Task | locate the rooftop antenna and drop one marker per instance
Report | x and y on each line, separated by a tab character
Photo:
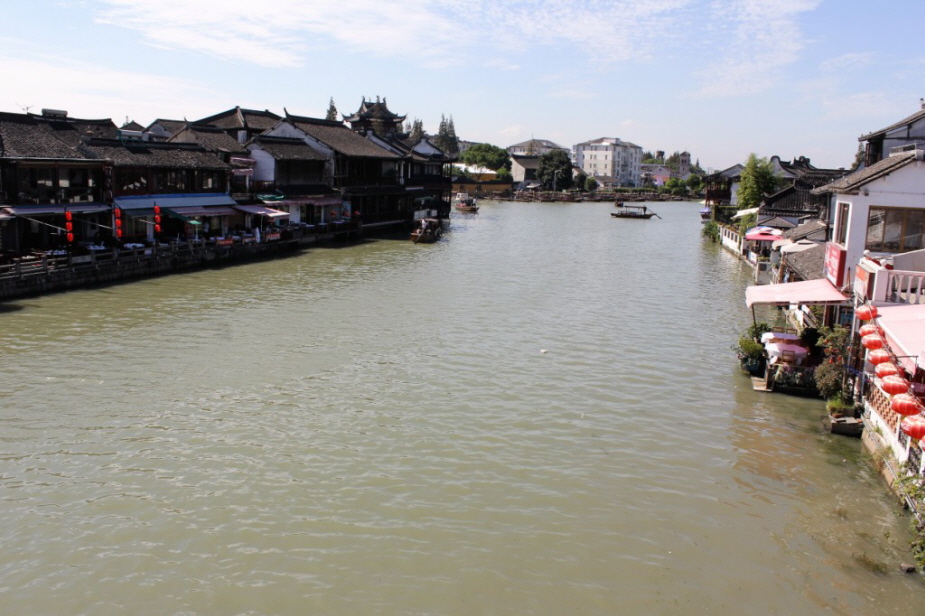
25	108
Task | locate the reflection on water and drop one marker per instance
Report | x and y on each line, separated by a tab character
377	429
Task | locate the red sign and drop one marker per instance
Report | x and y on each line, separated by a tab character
272	236
835	264
226	242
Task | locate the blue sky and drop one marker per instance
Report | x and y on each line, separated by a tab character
718	78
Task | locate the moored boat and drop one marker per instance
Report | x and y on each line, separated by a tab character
632	211
706	214
464	203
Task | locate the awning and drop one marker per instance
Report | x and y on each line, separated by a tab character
326	201
261	210
819	291
174	200
798	247
904	327
53	210
204	211
741	213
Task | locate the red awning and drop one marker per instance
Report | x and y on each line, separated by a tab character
819	291
761	237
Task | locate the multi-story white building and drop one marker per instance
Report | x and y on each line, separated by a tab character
611	157
535	147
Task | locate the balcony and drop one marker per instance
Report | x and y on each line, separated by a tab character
877	281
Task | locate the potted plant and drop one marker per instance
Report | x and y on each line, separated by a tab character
751	355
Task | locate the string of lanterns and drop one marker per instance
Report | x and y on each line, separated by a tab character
902	401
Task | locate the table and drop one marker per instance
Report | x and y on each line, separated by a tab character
768	336
776	349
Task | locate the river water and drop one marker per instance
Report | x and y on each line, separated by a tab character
539	414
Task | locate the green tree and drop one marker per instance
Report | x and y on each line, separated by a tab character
590	184
580	179
695	183
555	170
416	131
446	136
756	180
504	174
332	111
487	155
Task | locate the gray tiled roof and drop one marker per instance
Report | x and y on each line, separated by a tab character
284	148
851	184
216	140
809	264
33	136
154	155
340	138
918	115
22	137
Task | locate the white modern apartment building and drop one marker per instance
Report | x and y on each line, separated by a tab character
609	156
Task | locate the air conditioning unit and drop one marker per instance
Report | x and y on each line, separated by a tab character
54	113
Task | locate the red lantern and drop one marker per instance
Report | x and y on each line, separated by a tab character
157	228
68	226
887	368
157	219
878	356
894	385
872	341
868	329
867	312
119	233
68	216
905	404
116	212
70	237
157	209
118	223
914	426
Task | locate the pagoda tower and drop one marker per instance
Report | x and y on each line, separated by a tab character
377	118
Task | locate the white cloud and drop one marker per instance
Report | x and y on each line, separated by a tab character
756	39
43	82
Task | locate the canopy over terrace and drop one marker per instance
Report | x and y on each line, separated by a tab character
804	292
904	327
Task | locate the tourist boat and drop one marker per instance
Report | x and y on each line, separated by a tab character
464	203
706	214
426	231
632	211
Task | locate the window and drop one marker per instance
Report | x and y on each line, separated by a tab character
841	231
895	229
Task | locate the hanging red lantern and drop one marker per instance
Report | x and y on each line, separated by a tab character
70	238
68	216
872	341
887	368
867	312
868	329
157	209
894	384
119	233
878	356
68	226
157	228
157	219
905	404
914	426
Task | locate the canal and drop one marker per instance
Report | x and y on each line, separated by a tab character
539	414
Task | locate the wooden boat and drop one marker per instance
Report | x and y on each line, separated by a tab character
706	214
426	231
464	203
632	211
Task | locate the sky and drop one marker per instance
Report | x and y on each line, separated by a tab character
721	79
